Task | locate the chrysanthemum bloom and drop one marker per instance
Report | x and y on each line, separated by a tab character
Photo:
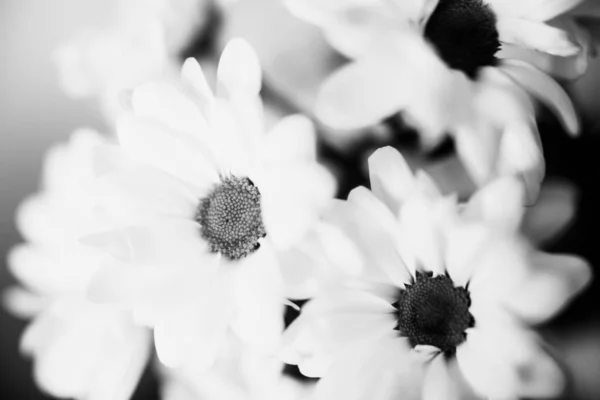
142	42
239	373
439	64
445	296
80	349
211	199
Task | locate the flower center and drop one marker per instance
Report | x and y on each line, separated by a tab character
464	34
433	312
230	218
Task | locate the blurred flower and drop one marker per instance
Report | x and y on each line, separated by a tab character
444	293
438	63
238	374
582	23
80	350
543	223
210	200
142	43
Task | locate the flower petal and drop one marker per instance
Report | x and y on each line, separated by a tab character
166	104
148	191
545	89
537	36
292	139
173	151
383	369
503	361
391	178
555	280
499	203
239	70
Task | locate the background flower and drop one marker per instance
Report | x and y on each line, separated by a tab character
80	350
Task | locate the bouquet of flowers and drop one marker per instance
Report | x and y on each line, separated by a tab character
369	213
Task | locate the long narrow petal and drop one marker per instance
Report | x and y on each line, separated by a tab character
545	89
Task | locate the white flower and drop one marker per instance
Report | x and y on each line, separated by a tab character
438	63
143	42
238	374
80	350
444	296
211	200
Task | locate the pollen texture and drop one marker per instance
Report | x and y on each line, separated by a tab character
230	218
464	34
432	311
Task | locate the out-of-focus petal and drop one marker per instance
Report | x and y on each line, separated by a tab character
545	89
537	36
555	280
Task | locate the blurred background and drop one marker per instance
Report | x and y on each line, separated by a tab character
35	113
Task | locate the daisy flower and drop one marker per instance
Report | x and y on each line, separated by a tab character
444	299
142	42
439	63
239	373
80	350
210	199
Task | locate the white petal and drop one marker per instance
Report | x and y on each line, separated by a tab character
554	281
477	145
546	90
314	340
438	384
349	34
391	178
342	300
377	85
537	36
159	242
292	139
374	228
421	237
292	199
465	243
553	213
148	191
50	272
500	266
173	151
239	70
499	203
121	374
339	250
164	103
192	73
258	293
501	361
383	369
22	303
194	332
359	95
521	154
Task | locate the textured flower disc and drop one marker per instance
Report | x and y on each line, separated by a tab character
464	34
231	219
432	311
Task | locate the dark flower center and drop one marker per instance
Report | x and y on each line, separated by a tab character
432	311
464	34
230	218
